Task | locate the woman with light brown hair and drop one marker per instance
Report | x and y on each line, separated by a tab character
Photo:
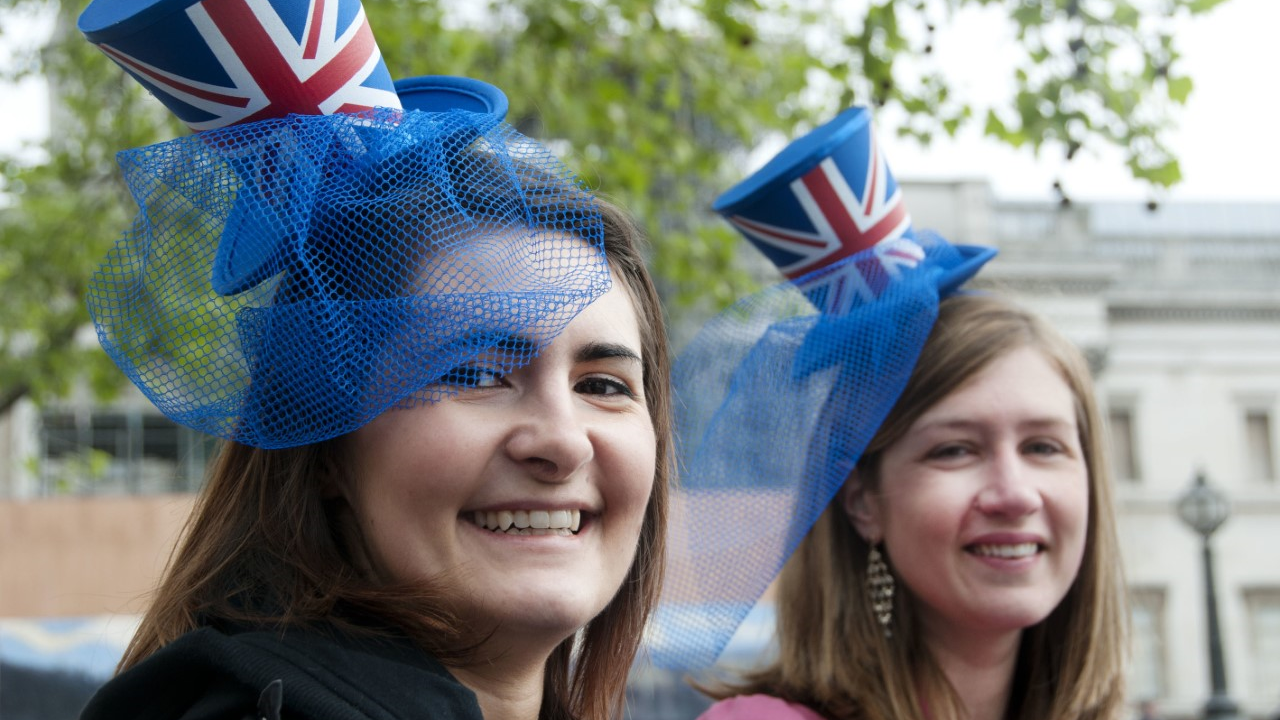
923	468
984	501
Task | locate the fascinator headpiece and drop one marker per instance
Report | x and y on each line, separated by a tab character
779	395
328	244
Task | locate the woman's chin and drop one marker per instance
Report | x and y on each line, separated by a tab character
541	618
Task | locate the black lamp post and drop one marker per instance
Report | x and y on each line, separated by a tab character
1204	509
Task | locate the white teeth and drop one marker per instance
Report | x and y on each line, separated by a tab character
1007	551
564	532
530	522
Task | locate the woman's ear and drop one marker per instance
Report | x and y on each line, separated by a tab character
861	508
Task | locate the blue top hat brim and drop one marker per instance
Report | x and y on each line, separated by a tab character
973	257
794	160
442	93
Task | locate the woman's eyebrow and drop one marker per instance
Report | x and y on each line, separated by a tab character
605	351
971	423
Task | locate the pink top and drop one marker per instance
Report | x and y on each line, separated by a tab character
758	707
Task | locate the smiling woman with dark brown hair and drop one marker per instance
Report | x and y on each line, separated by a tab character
440	370
445	530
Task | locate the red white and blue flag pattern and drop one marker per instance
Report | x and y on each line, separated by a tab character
223	62
862	279
844	205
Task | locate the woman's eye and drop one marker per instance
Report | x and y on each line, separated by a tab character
471	376
1043	447
948	452
596	385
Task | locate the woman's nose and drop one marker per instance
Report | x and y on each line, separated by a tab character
549	439
1008	486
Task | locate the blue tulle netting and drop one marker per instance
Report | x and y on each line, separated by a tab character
776	402
287	280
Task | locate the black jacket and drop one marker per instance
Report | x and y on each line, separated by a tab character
295	675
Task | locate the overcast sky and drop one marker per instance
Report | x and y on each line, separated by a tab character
1226	140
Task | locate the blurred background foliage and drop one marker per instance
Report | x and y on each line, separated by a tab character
657	105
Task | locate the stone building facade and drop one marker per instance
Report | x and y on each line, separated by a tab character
1178	310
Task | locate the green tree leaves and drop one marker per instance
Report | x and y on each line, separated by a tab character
655	104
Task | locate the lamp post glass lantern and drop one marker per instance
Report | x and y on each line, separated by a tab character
1204	509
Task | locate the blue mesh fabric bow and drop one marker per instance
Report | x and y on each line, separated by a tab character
288	280
776	402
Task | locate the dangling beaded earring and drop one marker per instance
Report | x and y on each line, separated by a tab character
880	590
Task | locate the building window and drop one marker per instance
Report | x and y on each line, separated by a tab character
1261	456
1264	635
1147	674
1124	451
128	451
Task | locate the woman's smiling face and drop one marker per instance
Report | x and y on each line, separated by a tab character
983	504
525	492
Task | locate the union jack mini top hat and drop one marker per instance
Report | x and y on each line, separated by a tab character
329	244
780	394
